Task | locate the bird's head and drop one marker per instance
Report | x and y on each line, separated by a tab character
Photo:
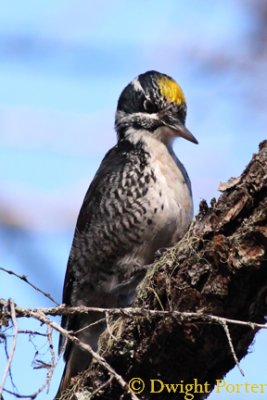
152	102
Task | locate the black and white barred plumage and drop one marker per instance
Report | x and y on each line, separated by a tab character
139	201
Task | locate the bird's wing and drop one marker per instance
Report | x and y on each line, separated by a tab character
103	233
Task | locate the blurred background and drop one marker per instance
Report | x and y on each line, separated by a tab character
63	65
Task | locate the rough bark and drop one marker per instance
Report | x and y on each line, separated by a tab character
219	268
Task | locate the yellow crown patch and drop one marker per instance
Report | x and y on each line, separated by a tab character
171	90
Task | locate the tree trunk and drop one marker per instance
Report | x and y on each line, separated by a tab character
219	268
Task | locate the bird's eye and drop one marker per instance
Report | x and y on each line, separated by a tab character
149	107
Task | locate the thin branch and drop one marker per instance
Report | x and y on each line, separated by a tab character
13	346
4	337
31	333
25	279
40	316
99	321
131	312
51	366
52	352
227	332
25	332
19	396
108	326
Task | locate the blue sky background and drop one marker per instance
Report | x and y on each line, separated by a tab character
63	65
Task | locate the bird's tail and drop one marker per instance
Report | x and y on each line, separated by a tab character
78	360
89	327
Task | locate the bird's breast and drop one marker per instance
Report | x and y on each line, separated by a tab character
171	194
167	202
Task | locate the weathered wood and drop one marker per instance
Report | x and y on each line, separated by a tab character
219	268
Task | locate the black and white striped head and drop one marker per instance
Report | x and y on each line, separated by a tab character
152	102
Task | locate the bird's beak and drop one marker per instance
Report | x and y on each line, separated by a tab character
183	132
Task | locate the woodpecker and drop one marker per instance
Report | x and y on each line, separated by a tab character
139	201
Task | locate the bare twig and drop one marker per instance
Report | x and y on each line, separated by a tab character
226	330
25	332
25	279
99	321
31	333
108	325
20	396
42	317
51	365
13	346
4	337
52	352
131	312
